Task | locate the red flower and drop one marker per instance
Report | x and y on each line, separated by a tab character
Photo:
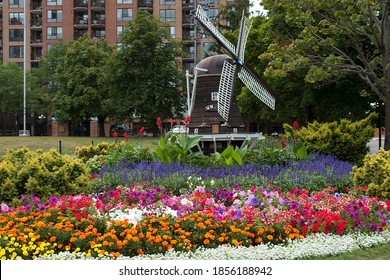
115	134
283	142
141	131
158	122
126	135
295	125
187	119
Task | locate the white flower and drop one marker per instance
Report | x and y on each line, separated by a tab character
186	202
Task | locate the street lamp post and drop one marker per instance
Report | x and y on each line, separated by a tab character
24	70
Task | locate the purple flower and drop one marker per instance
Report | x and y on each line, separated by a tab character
294	205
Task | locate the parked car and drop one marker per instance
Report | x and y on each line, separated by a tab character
7	133
120	129
180	129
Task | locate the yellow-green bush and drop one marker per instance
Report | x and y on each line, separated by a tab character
375	174
344	139
87	152
40	173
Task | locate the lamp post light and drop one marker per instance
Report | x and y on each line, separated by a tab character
24	70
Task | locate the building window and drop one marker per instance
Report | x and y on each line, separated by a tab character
168	15
172	31
213	1
124	14
214	96
212	13
54	16
54	2
16	35
124	1
54	32
16	51
167	2
16	18
119	30
13	4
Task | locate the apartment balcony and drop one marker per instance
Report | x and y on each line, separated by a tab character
81	5
81	24
36	24
99	23
36	8
188	4
36	43
98	5
145	5
188	20
98	34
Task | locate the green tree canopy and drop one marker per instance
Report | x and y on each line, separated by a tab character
80	90
146	80
11	89
332	40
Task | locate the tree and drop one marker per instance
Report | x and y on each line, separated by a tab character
11	90
80	92
43	80
335	39
146	77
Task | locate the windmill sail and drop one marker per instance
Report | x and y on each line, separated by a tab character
226	87
210	27
256	87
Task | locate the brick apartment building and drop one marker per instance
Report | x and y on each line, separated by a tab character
46	22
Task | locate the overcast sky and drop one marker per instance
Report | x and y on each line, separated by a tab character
256	6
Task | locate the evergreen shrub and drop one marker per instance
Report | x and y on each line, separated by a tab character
374	174
43	174
344	139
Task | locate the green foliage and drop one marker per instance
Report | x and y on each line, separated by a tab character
174	147
375	174
41	173
11	88
146	77
231	156
344	139
87	152
271	152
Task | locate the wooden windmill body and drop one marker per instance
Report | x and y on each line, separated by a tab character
212	104
205	118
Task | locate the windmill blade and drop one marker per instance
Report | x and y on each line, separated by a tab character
257	86
213	31
245	27
226	87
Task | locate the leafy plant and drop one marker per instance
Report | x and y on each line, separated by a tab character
375	174
173	148
231	156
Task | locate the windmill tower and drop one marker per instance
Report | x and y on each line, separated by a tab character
212	104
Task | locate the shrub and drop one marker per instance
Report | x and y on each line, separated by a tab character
344	139
41	173
87	152
375	174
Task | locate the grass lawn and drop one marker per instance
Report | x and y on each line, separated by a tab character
68	144
380	252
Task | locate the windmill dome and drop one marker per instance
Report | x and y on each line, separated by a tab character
213	64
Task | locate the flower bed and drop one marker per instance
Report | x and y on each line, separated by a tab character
142	220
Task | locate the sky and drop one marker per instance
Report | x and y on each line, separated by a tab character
256	7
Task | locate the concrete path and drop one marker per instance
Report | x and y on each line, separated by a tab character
374	144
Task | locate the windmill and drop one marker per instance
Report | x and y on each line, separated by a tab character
233	67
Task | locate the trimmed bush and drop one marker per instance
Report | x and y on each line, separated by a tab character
40	173
374	174
345	140
87	152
